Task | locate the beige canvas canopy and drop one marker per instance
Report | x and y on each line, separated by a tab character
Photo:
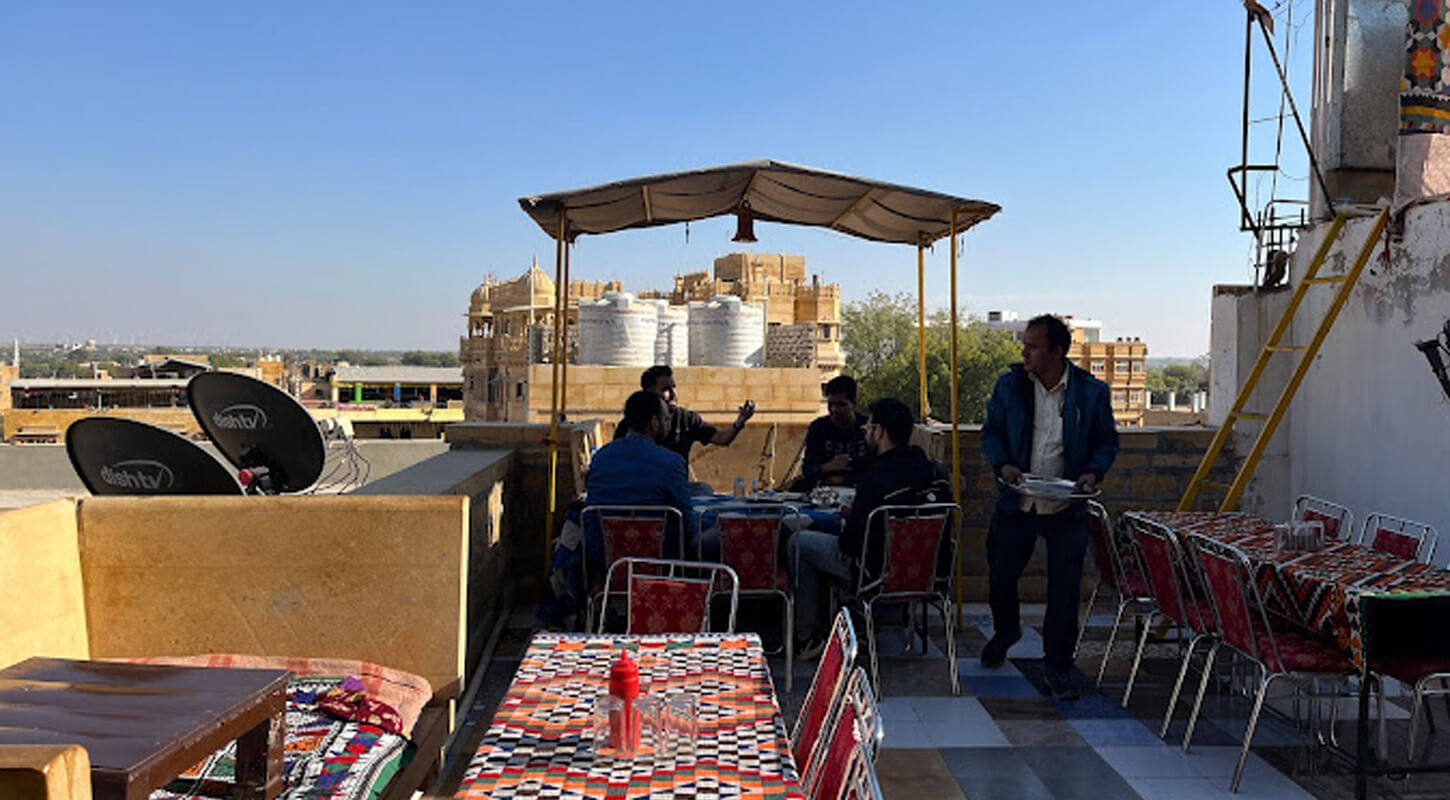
775	192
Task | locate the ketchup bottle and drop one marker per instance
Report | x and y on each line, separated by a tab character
624	723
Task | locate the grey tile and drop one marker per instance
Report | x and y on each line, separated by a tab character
965	710
994	774
1148	762
1020	709
1178	789
956	734
905	735
1003	686
897	709
1123	732
1070	772
1041	734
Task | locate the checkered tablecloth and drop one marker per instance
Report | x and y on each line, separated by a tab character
539	744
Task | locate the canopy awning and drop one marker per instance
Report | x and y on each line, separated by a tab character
776	192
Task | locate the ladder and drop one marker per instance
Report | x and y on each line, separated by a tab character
1272	347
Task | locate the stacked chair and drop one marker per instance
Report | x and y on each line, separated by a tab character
839	732
1114	576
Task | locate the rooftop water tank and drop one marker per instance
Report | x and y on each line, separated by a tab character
618	330
726	332
672	343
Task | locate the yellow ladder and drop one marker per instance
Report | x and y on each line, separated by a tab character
1273	347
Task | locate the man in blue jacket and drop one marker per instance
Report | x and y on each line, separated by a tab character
1051	418
636	470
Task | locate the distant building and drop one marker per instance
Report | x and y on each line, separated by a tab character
398	386
1121	364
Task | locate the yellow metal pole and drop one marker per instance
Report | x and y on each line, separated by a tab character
956	432
921	325
564	359
554	397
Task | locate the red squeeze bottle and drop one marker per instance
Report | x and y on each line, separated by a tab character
624	684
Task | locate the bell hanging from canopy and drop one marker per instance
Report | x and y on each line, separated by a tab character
744	223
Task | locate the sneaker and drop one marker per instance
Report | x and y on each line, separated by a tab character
1059	681
810	648
996	650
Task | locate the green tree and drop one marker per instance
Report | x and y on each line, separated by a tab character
1180	379
227	361
879	335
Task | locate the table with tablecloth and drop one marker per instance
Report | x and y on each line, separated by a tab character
539	743
801	514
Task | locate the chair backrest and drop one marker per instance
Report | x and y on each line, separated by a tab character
857	727
920	548
826	688
1106	555
1162	560
750	543
862	783
1239	612
1336	519
1399	536
669	596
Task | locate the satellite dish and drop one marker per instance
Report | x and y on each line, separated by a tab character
271	439
113	455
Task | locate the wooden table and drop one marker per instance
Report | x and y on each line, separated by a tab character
145	724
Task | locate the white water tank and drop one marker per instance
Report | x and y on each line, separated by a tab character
726	332
618	330
672	343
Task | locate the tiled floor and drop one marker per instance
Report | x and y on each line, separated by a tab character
1003	737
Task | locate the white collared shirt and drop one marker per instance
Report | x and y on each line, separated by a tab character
1046	439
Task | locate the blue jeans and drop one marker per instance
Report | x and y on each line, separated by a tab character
809	553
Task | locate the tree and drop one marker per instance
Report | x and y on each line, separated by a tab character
1180	379
879	336
227	361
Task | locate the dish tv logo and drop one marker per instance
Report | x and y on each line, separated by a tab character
150	476
241	417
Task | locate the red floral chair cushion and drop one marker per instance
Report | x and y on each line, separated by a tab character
631	537
1300	653
1331	524
911	563
836	767
667	605
824	688
1395	543
1227	589
748	545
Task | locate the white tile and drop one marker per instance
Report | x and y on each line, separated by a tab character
897	709
904	736
1148	762
961	710
1179	789
1218	762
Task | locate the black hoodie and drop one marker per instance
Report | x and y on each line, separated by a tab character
895	477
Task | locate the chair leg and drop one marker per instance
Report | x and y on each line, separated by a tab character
1112	637
1233	785
871	646
1198	700
1138	657
1086	615
789	642
1178	686
946	615
1414	717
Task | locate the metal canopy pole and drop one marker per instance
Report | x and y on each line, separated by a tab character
921	325
554	398
956	432
563	413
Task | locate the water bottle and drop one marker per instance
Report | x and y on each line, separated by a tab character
740	488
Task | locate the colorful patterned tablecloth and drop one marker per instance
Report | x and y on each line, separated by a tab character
540	745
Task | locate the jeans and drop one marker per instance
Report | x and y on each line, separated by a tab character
1010	542
808	554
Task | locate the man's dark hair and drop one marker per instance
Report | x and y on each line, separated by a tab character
640	408
648	377
895	418
1057	334
841	384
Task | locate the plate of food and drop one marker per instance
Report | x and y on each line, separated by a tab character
1043	487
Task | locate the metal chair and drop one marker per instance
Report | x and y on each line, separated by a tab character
919	552
750	545
856	729
627	531
1398	536
862	783
663	596
1113	574
1337	520
827	686
1243	625
1170	578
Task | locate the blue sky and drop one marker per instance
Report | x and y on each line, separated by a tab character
341	174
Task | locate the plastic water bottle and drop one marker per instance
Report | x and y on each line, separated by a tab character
740	488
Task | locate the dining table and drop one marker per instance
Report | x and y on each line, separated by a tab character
540	741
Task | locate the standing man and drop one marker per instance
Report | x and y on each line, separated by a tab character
1050	418
683	427
836	452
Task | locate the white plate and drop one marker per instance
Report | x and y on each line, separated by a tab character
1044	488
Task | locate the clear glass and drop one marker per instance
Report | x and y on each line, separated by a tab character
682	726
616	737
739	487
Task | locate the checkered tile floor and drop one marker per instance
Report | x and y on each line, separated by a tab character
1004	737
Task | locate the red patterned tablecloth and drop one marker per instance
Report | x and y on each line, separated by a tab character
539	744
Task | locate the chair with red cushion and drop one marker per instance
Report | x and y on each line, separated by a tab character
1170	579
1243	625
1337	520
861	783
1400	537
750	544
920	550
827	687
669	596
1114	575
856	729
628	531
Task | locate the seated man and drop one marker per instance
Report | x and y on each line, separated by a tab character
682	427
836	453
899	472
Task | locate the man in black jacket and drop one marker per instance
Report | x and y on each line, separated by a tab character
897	473
835	452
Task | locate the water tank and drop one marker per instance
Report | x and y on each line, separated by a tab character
672	343
618	330
727	333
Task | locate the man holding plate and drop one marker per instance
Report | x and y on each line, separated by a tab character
1047	419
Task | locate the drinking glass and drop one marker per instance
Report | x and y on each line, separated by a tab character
612	739
682	726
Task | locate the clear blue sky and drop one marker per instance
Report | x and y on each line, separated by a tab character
342	174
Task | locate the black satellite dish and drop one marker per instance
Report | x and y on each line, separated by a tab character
273	441
113	455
